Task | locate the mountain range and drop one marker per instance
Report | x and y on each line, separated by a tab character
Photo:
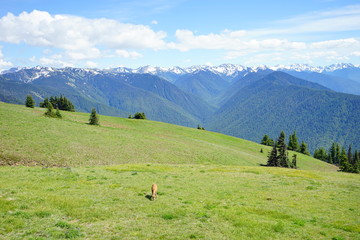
322	104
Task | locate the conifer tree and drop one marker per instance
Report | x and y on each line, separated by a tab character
29	102
282	151
337	154
94	119
273	158
278	156
356	161
321	154
349	155
293	142
45	103
50	110
140	115
304	148
266	140
345	166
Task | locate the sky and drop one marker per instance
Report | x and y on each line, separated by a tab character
166	33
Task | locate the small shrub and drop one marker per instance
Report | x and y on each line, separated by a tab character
139	115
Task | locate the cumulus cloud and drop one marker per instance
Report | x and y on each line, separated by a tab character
230	40
339	43
56	61
77	39
127	54
80	38
4	64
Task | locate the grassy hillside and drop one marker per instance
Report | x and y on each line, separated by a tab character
210	185
30	138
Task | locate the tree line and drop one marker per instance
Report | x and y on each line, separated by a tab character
61	103
348	161
278	157
293	144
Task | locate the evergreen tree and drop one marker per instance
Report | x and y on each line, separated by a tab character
331	155
282	151
337	154
266	140
293	142
356	161
349	155
29	102
273	158
321	154
45	103
50	111
139	115
94	119
62	103
345	166
304	148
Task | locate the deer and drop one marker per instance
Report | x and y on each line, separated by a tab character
154	189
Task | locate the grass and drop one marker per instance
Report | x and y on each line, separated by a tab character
195	201
64	179
29	138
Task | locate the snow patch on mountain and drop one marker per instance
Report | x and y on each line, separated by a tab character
29	74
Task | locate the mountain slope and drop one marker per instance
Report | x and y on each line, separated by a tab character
339	84
204	84
190	103
282	102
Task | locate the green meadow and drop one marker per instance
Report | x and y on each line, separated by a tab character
65	179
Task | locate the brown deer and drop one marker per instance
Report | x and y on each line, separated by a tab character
154	189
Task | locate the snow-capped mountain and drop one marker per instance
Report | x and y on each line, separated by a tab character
228	71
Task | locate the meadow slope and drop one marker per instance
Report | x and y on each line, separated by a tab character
29	138
64	179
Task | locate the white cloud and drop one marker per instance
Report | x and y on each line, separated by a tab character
127	54
154	22
339	43
91	64
336	20
56	61
4	64
80	38
230	40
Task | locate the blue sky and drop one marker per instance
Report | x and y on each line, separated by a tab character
167	33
